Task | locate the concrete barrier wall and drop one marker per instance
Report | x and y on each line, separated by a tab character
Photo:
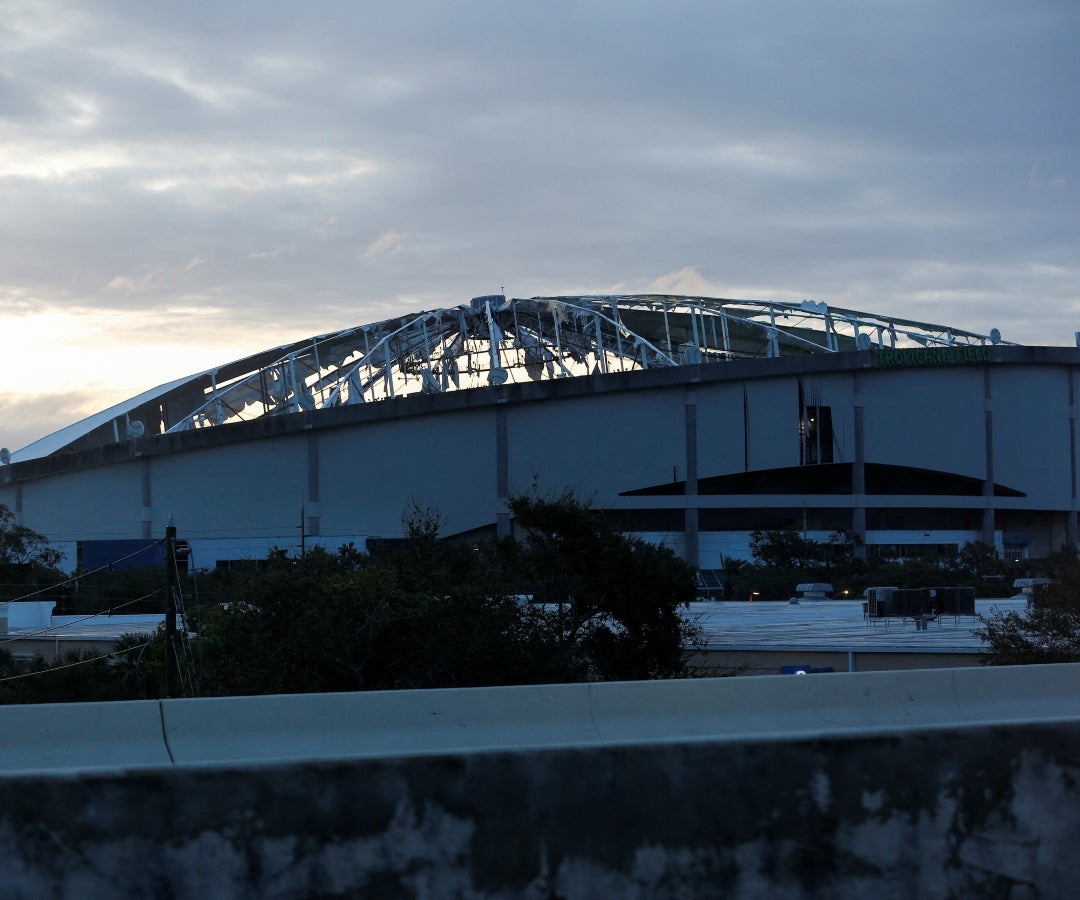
230	730
81	737
930	784
384	723
772	707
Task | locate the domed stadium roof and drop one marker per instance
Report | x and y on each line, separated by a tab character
493	340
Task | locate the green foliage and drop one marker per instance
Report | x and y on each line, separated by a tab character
1059	562
617	597
788	549
782	548
571	599
1047	632
127	591
326	624
27	562
20	545
978	558
784	558
140	664
76	676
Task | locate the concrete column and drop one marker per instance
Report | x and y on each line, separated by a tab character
691	544
988	519
502	471
312	509
988	523
745	430
858	475
1071	536
147	499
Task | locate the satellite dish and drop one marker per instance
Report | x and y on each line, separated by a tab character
692	355
498	376
136	429
5	456
863	342
995	336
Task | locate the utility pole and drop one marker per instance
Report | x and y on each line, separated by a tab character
170	600
303	533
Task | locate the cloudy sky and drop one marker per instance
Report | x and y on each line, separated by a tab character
185	183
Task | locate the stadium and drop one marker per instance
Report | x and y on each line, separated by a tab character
693	420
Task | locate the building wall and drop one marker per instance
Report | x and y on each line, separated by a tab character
350	472
252	489
599	445
931	418
105	502
772	423
370	473
1031	426
722	429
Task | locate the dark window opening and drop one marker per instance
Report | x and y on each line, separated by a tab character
932	553
816	436
883	518
662	520
237	565
775	519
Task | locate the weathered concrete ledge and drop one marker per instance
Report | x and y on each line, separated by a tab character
940	784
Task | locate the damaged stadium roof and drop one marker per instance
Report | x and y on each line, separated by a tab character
493	340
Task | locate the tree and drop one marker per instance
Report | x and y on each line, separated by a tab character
978	558
1047	632
570	599
782	548
22	548
617	597
417	614
308	628
733	568
787	548
76	676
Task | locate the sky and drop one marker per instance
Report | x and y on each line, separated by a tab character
182	184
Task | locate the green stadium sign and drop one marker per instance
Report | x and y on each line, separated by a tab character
933	356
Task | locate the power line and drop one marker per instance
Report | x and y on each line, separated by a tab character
185	636
104	612
74	578
80	662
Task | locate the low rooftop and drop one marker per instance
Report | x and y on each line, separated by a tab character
837	625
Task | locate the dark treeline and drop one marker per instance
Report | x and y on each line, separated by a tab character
568	599
784	558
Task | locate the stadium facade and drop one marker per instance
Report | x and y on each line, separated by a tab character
693	420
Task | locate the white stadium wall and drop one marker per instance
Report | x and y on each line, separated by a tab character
721	427
369	474
1031	434
253	489
772	413
919	413
599	445
698	455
